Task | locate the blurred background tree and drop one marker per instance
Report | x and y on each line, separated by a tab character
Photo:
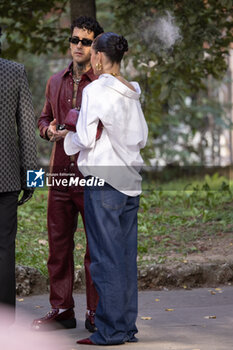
180	83
179	101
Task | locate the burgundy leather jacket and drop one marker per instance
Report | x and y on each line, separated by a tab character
59	92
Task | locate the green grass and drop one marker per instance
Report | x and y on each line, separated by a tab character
174	222
32	238
170	222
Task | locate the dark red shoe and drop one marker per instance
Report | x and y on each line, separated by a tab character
90	321
53	319
85	341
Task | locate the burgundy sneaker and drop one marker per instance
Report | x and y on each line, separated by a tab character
53	319
90	321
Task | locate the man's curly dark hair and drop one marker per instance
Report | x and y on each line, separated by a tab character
89	23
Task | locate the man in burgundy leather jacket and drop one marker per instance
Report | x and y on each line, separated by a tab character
64	92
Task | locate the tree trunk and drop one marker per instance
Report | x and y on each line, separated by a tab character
82	8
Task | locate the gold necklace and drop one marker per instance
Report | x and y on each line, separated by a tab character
115	74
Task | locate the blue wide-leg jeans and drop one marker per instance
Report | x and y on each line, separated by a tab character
111	225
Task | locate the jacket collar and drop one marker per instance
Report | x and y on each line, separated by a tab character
87	75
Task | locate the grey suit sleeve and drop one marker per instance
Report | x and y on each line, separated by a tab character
26	130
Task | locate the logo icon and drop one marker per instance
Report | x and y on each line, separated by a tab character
35	178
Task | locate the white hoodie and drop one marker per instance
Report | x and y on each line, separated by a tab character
115	157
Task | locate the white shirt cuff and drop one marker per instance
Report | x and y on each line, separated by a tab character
69	146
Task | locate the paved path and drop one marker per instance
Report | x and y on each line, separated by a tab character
185	326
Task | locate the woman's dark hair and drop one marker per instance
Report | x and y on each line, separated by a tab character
112	44
89	23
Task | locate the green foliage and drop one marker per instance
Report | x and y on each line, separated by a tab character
169	222
183	122
174	222
32	26
105	14
31	239
38	72
38	68
167	77
32	247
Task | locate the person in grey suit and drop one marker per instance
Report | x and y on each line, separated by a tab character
17	155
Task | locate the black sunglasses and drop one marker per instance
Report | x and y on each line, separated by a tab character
75	40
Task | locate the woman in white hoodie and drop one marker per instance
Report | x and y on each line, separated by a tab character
111	208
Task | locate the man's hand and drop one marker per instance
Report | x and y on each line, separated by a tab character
63	133
27	194
53	134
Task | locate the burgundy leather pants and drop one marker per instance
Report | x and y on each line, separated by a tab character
63	209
